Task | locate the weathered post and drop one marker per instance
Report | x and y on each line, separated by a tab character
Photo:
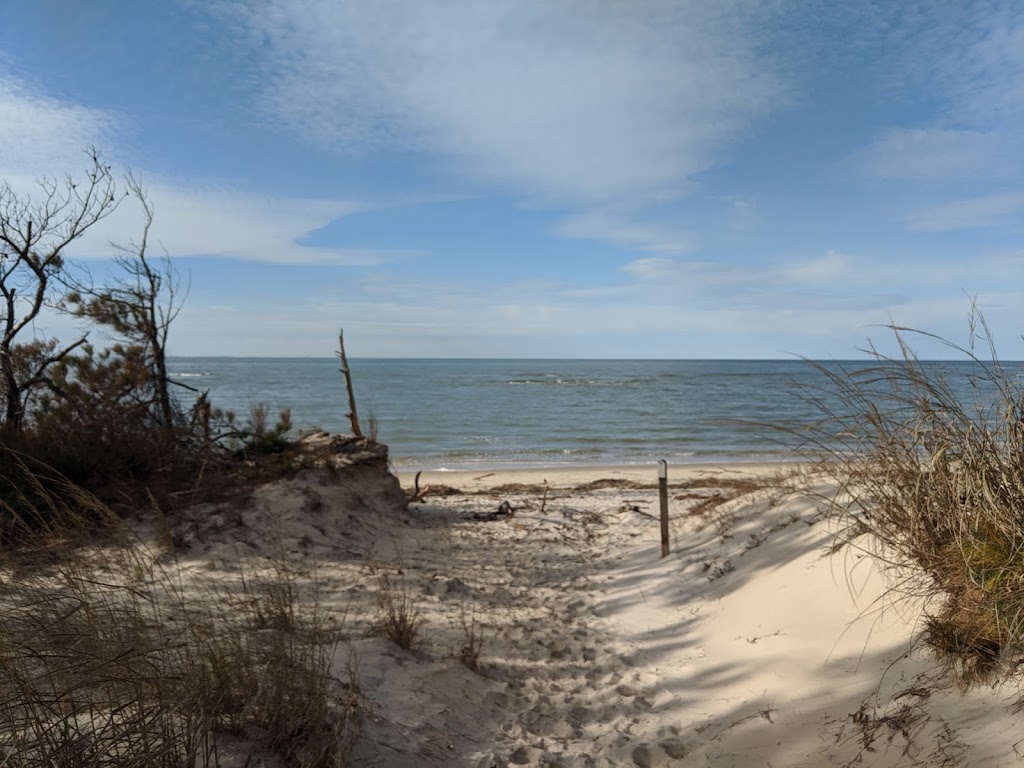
353	417
663	491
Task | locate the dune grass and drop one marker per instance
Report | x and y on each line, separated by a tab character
937	484
110	656
398	618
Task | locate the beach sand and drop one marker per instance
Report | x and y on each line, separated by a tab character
753	643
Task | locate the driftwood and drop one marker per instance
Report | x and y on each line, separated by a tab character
504	511
352	416
418	494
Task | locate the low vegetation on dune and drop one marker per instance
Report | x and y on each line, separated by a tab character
108	654
108	420
932	482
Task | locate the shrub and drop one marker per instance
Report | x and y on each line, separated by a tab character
255	436
260	438
101	434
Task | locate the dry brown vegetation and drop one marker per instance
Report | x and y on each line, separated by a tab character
398	619
939	485
473	642
110	657
111	653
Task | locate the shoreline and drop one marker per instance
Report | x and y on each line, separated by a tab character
566	476
411	465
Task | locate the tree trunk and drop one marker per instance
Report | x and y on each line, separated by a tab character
162	392
14	411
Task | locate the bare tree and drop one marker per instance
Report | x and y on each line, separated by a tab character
34	234
139	305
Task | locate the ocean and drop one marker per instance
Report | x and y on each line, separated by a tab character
485	414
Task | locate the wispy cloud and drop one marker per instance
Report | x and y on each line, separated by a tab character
564	101
697	278
970	213
958	73
827	278
707	278
964	62
228	223
214	220
818	306
442	319
832	268
634	235
937	154
986	76
40	134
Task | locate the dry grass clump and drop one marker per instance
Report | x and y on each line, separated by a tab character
473	642
109	658
36	499
398	619
938	483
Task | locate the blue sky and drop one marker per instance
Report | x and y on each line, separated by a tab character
544	178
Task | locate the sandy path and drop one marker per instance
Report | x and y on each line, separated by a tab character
748	645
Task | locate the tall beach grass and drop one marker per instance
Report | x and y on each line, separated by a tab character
935	487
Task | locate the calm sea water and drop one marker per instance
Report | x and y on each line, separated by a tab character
476	414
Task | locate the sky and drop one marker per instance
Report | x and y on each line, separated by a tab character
543	178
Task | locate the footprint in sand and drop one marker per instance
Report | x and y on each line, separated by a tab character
661	755
603	676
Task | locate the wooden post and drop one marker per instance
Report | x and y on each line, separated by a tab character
352	416
663	491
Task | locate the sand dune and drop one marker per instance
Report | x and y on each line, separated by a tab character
750	644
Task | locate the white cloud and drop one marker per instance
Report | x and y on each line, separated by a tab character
937	154
832	271
986	78
229	223
833	279
421	318
213	220
693	278
41	135
617	229
970	213
44	136
959	71
832	268
566	101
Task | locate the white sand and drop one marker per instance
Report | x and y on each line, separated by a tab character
748	645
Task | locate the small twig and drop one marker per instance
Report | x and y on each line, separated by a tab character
753	640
